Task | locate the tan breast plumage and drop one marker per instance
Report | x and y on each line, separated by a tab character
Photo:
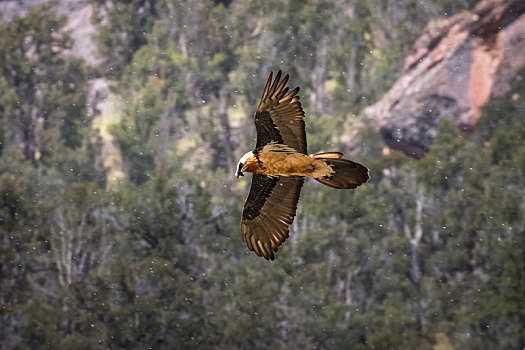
288	164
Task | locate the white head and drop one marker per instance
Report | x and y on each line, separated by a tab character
241	164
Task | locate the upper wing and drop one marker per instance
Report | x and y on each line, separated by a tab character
269	211
279	117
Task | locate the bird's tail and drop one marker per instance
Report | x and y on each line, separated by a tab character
347	174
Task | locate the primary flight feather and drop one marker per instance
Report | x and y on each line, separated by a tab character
279	164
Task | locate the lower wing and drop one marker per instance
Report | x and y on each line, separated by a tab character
269	211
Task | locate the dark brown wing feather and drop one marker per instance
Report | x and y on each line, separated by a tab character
269	211
279	117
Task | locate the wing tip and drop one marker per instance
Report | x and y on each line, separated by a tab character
257	246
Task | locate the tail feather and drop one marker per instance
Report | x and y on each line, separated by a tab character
347	174
328	155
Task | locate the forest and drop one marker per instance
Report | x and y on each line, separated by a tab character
145	252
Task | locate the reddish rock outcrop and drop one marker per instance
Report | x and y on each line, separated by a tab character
455	68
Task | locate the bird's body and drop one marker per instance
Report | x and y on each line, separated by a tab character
280	163
279	160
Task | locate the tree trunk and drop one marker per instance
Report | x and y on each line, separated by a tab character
351	70
226	131
164	128
415	239
318	77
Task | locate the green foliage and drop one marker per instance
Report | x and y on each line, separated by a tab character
154	259
134	18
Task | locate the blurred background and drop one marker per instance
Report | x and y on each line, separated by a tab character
121	123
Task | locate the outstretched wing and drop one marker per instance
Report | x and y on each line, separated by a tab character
279	117
269	211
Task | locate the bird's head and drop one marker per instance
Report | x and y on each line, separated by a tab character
241	165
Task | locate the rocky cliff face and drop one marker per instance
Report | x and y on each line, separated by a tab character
456	66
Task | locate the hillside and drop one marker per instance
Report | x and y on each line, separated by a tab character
480	49
79	26
120	214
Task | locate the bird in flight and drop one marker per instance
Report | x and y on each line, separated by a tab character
279	164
